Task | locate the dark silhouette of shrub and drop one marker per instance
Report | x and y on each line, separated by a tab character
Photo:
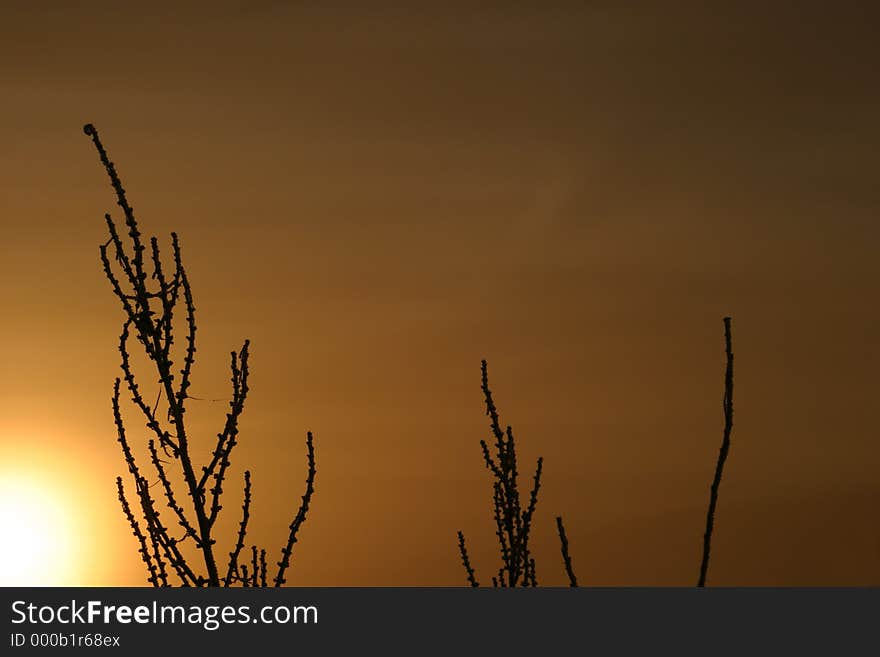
513	523
149	311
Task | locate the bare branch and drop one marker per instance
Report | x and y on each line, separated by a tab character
466	562
300	514
727	406
150	308
136	530
232	568
563	540
513	524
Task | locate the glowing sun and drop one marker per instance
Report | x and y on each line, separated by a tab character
37	543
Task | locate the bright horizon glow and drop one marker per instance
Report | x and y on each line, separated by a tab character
39	545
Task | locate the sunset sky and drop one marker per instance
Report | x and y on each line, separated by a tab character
380	197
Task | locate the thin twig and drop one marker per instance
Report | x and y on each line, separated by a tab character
136	530
300	514
722	454
563	541
232	569
466	562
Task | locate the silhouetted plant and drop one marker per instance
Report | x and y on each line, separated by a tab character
566	559
727	405
150	310
513	523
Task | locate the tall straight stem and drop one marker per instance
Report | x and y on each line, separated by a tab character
722	454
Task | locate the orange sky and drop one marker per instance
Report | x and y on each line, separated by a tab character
380	198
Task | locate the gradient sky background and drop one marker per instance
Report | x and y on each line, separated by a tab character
378	198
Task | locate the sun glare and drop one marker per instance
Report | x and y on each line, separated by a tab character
36	533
